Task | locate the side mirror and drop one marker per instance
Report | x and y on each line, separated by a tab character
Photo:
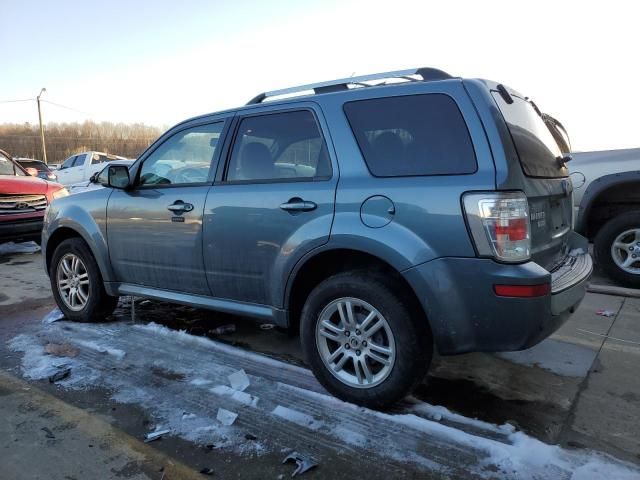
117	177
94	178
32	171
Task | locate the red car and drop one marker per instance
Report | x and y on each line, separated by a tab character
23	200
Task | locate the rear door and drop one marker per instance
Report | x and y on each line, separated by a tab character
155	228
545	181
273	203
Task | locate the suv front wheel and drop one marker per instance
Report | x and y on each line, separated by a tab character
77	284
617	248
363	340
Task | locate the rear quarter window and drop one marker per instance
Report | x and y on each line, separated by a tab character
412	135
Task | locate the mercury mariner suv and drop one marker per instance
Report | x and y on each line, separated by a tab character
384	217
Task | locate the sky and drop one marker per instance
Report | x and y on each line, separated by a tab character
161	62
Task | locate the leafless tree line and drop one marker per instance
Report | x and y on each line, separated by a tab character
65	139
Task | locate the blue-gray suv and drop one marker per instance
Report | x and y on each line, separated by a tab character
383	216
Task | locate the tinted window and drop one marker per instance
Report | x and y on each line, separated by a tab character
279	146
79	161
33	164
185	158
536	147
412	135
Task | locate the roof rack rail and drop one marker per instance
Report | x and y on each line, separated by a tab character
343	84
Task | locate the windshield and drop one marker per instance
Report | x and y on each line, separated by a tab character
536	147
7	167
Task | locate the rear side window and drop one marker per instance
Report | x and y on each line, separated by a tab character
536	147
412	135
281	146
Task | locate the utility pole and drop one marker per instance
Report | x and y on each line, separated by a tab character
44	147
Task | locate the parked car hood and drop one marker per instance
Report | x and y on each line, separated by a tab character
11	184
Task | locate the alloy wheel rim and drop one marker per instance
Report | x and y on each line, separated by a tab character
355	342
625	251
73	282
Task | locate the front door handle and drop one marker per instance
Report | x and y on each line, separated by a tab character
298	205
180	207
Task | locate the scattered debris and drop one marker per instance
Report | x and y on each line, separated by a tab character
239	380
60	375
229	328
187	416
267	326
210	446
61	350
207	471
303	463
53	316
151	436
250	436
237	395
226	417
49	433
605	313
576	252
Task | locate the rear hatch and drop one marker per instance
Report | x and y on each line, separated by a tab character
546	179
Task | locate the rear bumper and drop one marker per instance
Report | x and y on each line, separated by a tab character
27	229
467	316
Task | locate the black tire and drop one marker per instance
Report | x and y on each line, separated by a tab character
98	305
604	241
413	339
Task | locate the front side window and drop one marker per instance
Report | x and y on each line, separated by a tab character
68	162
279	146
185	158
412	135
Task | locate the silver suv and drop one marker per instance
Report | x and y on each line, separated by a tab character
382	216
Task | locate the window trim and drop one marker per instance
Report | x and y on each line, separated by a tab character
234	136
215	159
364	158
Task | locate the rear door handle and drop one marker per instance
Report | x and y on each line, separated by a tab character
298	205
180	207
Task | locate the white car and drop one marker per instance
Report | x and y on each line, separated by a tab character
80	167
91	183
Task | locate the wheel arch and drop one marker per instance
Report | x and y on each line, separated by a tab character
606	197
329	261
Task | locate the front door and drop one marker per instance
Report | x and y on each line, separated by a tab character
274	203
155	229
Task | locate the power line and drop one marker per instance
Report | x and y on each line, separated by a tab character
64	106
15	101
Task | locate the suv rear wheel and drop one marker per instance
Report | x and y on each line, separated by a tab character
363	340
617	248
77	284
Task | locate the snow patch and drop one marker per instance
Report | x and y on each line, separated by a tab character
9	248
102	349
237	395
53	316
297	417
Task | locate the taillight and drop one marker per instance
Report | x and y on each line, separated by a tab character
499	224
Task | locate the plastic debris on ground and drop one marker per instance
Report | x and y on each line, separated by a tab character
61	350
304	463
576	252
229	328
267	326
60	375
605	313
151	436
226	417
53	316
10	247
239	380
